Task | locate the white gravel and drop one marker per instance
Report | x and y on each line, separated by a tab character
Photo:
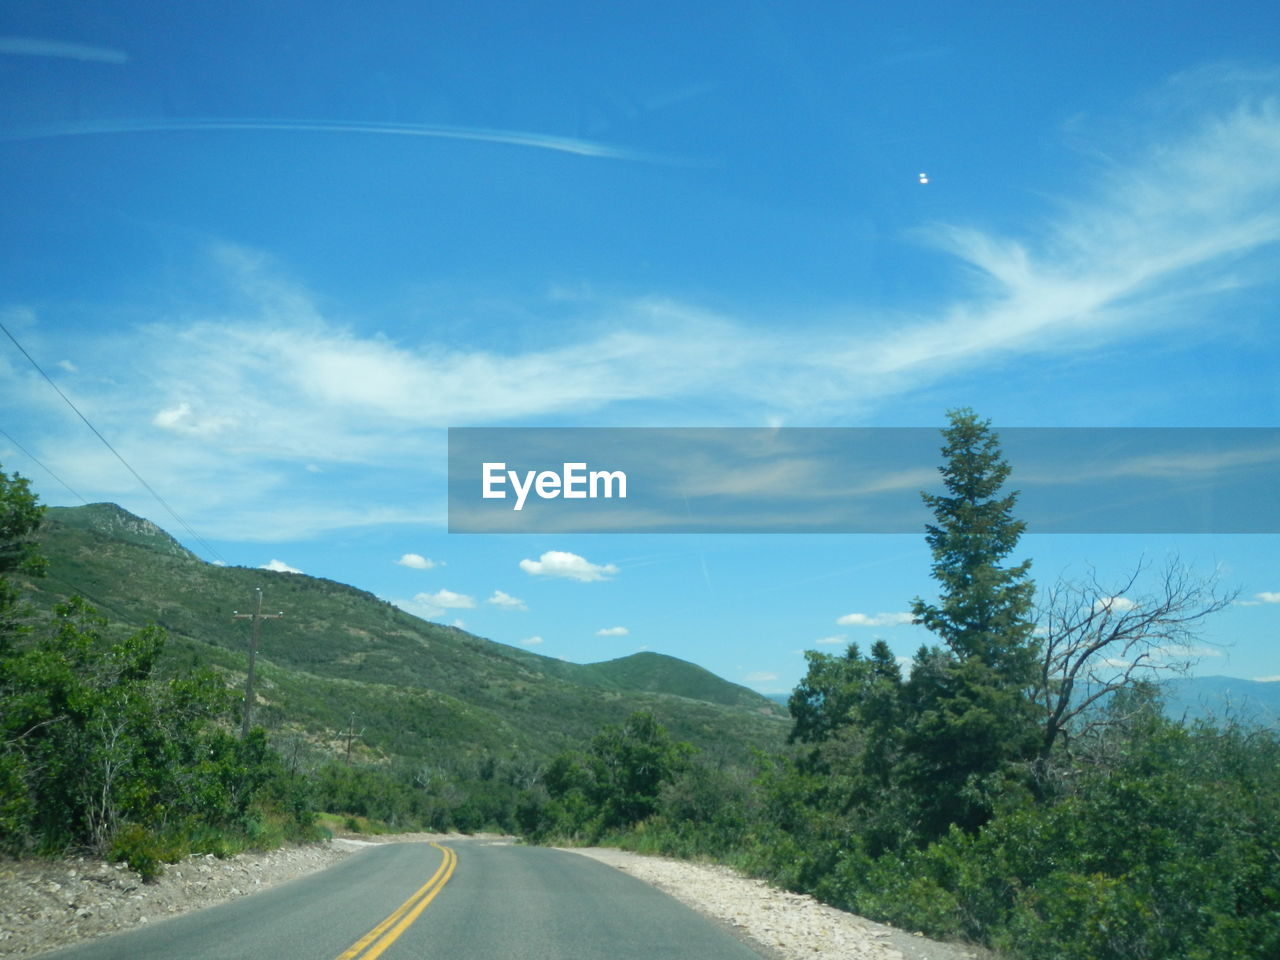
789	926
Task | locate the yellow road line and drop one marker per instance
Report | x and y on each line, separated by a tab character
385	933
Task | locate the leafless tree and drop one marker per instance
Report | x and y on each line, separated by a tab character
1097	639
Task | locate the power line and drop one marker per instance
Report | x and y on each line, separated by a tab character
33	457
161	500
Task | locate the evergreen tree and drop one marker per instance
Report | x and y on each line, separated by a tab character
984	611
968	709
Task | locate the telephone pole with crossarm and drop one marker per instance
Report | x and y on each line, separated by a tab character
257	616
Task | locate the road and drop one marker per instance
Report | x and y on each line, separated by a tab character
466	900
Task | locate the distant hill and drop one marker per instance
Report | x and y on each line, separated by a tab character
659	673
117	523
1203	698
417	689
1223	698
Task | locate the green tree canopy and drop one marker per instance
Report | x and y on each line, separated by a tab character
984	611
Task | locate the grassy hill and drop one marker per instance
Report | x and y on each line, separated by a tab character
418	690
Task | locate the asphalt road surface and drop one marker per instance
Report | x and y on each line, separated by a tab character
467	900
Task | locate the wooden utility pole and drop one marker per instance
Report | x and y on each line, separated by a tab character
257	616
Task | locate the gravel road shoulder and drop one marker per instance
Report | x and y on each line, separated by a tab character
47	904
789	926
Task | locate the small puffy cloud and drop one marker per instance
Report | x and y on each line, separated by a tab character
559	563
831	641
182	419
1271	679
279	566
1267	596
430	606
1114	604
879	620
416	561
506	601
446	600
459	623
68	366
171	418
612	632
531	641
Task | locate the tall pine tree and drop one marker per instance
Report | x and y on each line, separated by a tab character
967	704
984	609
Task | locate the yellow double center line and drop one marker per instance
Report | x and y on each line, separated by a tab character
384	934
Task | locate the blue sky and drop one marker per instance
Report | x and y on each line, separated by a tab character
273	250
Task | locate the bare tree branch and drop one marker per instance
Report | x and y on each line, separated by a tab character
1097	639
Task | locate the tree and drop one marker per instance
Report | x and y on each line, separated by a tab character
630	763
984	611
968	714
1098	641
20	515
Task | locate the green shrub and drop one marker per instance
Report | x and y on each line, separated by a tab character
140	850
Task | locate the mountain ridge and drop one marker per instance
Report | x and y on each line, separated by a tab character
421	688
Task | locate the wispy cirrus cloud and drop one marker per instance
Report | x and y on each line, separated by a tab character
282	388
513	138
37	47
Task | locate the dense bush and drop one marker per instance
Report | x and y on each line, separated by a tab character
99	751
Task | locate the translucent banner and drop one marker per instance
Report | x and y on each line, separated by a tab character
853	480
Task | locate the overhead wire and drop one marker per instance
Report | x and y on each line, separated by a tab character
46	469
150	489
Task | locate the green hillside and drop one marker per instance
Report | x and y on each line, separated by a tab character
417	689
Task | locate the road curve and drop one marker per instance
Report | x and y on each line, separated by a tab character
410	901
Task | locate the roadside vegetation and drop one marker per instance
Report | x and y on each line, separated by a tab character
1019	786
100	751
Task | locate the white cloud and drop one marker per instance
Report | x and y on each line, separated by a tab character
531	641
68	366
1271	679
613	632
559	563
516	138
279	566
1114	604
1186	214
506	601
182	419
1267	596
831	641
34	47
431	606
416	561
879	620
446	600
